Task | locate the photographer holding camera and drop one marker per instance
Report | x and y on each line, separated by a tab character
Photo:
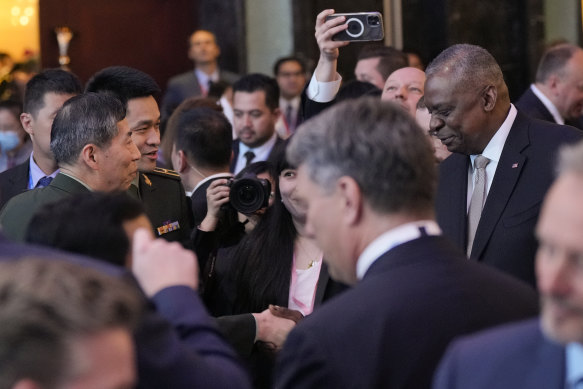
267	282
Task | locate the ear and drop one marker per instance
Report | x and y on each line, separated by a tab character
552	83
182	161
27	121
90	154
276	114
351	199
489	96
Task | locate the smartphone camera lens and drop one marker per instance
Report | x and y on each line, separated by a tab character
355	27
373	20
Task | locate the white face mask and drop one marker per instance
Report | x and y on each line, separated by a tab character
9	140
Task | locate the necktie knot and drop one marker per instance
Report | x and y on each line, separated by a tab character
249	155
44	182
481	162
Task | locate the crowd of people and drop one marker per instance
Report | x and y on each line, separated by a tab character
412	228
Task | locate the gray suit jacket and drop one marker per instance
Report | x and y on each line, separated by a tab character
186	85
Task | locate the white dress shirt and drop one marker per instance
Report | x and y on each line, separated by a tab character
261	152
493	151
323	92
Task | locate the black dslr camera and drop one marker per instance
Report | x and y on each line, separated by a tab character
249	194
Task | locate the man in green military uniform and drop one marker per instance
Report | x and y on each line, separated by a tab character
92	143
160	190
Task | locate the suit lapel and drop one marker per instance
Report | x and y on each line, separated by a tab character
146	186
507	173
321	285
194	85
19	179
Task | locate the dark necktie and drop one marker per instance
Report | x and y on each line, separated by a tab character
249	155
43	182
478	199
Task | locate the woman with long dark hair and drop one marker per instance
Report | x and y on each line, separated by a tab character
275	264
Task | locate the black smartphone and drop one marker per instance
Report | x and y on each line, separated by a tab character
362	26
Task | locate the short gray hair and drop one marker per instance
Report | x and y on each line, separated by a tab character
470	66
45	305
377	144
90	118
554	60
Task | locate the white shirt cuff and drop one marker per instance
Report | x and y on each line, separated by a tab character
323	92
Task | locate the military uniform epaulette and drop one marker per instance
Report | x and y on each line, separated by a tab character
158	171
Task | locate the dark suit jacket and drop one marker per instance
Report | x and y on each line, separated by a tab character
509	357
504	238
13	182
531	105
165	201
177	343
186	85
274	155
18	212
391	328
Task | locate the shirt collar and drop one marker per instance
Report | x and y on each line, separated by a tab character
390	239
574	359
218	175
203	78
548	104
494	148
263	149
36	173
78	180
295	103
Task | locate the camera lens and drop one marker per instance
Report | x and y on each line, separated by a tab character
373	21
355	27
249	194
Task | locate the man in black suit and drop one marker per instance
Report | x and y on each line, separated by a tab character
545	353
159	189
255	110
557	94
45	94
204	52
91	139
201	153
491	187
413	291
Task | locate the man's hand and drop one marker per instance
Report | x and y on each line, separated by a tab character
217	194
326	69
158	264
272	329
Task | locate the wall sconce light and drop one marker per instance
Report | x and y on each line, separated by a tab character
64	36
